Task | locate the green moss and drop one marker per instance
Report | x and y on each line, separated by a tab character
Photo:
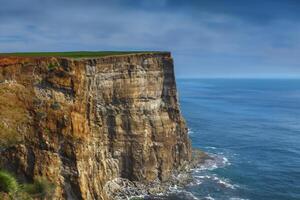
51	66
8	183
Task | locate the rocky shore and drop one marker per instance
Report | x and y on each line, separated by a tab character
120	188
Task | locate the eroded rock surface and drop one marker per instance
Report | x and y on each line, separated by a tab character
89	121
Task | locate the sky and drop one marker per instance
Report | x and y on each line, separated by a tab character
207	38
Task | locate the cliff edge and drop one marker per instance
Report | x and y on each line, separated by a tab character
83	122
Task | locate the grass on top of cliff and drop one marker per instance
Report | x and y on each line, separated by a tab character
75	54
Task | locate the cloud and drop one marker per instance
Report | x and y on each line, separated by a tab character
206	37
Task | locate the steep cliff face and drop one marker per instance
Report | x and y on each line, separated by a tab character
83	122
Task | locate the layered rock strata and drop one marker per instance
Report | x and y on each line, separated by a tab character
83	122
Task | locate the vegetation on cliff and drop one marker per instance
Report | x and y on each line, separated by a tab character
8	183
10	188
75	54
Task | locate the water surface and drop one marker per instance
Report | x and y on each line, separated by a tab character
253	125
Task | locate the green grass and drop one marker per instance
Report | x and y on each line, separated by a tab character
41	188
75	54
8	183
51	66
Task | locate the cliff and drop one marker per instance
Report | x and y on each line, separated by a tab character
83	122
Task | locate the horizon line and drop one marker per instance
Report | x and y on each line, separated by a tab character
240	77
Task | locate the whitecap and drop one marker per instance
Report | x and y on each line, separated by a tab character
195	182
215	162
134	197
177	191
226	184
208	198
173	188
225	161
184	195
203	176
209	147
190	132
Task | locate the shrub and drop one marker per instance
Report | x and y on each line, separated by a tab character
41	188
51	66
47	130
10	189
8	183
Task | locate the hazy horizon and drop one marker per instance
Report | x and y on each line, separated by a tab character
240	77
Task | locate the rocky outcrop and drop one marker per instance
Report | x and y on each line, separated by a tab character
83	122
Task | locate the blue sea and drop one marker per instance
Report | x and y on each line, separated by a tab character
252	128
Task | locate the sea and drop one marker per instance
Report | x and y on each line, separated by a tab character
252	129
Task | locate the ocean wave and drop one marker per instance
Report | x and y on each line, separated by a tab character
173	188
209	147
180	193
190	132
200	179
225	183
205	176
208	198
184	195
216	161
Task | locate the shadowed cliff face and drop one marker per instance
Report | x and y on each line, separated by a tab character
84	122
